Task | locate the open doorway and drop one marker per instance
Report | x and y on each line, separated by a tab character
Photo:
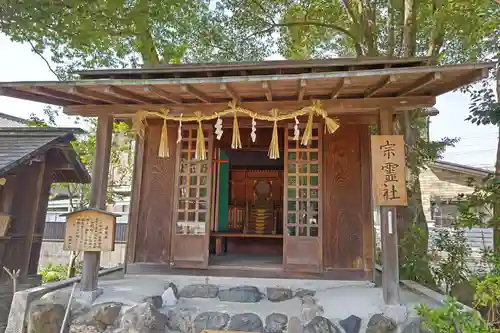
248	203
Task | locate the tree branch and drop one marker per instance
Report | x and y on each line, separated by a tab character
33	48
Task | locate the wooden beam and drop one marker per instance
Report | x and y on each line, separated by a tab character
163	94
97	95
231	92
62	95
128	94
21	94
302	90
379	85
337	89
267	88
333	107
390	263
196	93
98	192
420	83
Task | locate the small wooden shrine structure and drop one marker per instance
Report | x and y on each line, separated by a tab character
265	158
32	159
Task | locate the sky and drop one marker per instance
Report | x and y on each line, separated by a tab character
477	145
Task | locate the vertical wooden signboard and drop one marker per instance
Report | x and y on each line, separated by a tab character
388	170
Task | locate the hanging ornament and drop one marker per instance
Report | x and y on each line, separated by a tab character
163	150
218	128
296	131
201	151
236	143
274	149
179	131
253	135
307	136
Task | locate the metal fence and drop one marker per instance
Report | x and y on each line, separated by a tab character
54	232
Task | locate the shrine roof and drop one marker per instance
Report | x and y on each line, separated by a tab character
343	85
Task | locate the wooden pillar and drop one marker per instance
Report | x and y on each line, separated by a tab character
98	192
41	217
135	199
390	264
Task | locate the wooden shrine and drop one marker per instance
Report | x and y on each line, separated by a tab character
318	116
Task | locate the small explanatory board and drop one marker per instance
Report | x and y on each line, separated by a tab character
90	230
389	170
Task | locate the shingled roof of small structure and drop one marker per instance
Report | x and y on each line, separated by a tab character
21	144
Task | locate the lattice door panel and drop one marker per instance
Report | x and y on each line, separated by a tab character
302	199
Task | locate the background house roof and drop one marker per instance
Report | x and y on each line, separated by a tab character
21	144
461	168
6	120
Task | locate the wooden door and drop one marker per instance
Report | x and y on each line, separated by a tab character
192	214
302	205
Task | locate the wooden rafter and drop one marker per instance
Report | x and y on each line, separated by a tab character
420	83
163	94
128	94
379	85
337	89
196	93
11	92
267	90
302	90
97	95
62	95
231	92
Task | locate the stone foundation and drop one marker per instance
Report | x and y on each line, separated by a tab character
124	307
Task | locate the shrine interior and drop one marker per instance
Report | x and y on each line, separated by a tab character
248	192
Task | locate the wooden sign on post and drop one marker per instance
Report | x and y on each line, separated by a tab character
388	170
90	230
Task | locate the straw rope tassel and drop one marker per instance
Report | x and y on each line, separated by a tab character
274	149
201	151
306	137
163	150
236	144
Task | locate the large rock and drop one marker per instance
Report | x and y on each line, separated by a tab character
144	318
210	321
276	322
304	292
247	322
156	301
351	324
78	305
464	292
310	309
174	288
379	323
241	294
321	325
295	325
199	291
278	294
45	317
100	315
181	319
